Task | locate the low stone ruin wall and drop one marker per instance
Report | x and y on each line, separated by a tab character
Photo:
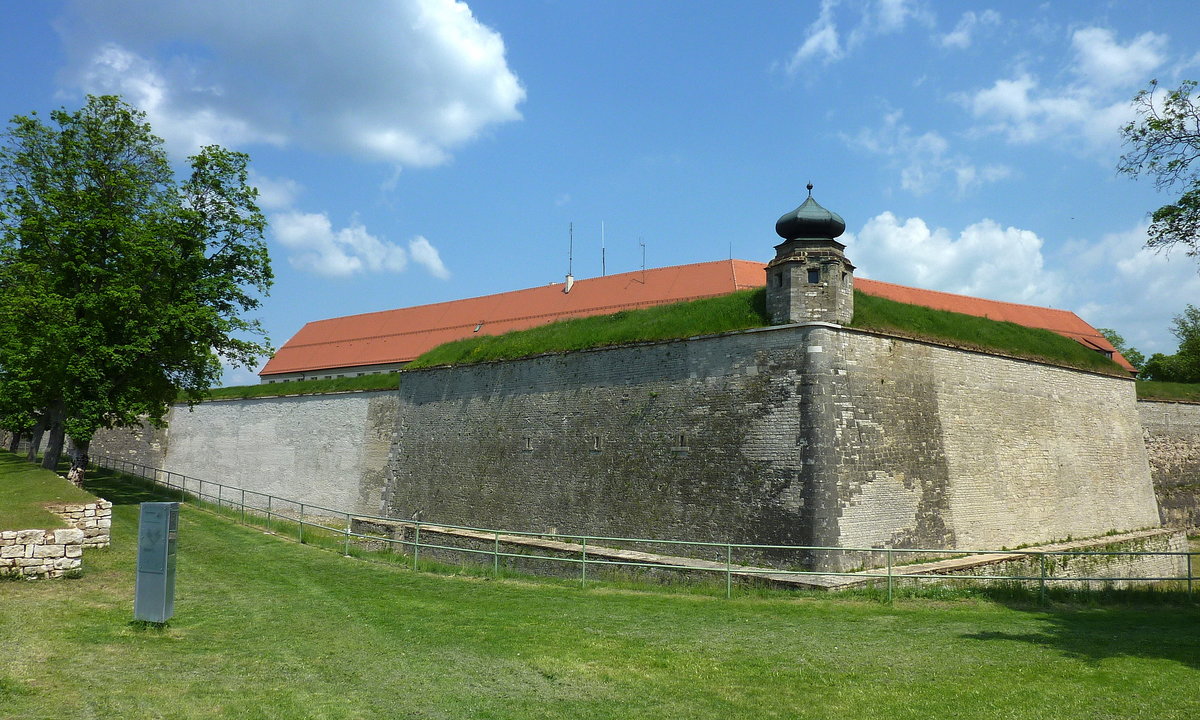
94	519
40	553
54	553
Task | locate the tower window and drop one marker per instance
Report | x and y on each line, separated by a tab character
814	275
778	279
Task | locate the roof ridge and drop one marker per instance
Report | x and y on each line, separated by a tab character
969	297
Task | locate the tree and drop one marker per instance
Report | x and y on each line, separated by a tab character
1131	354
1164	143
1184	365
120	287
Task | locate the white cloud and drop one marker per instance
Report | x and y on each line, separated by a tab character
1119	283
425	254
1087	113
925	161
875	17
985	260
1103	62
960	37
316	246
403	81
821	40
275	193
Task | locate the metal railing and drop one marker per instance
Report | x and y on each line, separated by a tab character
336	527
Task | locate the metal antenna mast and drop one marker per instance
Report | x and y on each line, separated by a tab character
643	244
603	266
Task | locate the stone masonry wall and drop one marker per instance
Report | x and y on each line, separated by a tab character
1030	452
809	434
328	450
1172	433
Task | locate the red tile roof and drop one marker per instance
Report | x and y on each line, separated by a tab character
396	336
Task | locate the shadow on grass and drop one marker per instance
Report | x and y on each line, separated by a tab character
1143	624
126	490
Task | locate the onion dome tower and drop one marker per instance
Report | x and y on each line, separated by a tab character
810	279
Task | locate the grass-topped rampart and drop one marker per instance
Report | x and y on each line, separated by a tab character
727	313
747	309
1169	391
26	489
736	311
383	381
976	333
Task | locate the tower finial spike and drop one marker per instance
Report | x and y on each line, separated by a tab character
810	189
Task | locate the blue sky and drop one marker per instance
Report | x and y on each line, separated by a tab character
417	151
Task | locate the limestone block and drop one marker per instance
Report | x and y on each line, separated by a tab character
30	562
29	537
68	537
74	551
31	570
12	551
47	551
104	523
9	535
66	563
93	532
7	562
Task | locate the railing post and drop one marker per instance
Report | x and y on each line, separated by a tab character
583	567
300	533
728	571
1189	569
243	506
347	553
270	526
416	543
889	568
496	555
1042	580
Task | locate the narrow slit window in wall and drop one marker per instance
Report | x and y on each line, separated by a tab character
596	445
527	444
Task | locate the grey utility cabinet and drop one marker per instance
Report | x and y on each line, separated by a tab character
154	594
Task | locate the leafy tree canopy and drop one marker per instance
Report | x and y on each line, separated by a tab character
1164	143
120	287
1131	354
1184	365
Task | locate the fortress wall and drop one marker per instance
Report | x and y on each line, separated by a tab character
1031	452
805	435
1172	432
328	450
699	439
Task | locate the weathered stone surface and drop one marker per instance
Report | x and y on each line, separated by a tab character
805	435
13	551
328	450
68	536
1172	432
47	551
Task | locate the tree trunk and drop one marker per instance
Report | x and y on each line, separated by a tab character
35	440
58	433
79	461
14	442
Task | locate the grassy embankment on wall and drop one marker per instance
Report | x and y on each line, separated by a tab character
737	311
25	489
747	309
266	628
1177	392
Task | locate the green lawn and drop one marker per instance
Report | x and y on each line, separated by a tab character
267	628
24	491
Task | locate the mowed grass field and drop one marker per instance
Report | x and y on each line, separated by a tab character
267	628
